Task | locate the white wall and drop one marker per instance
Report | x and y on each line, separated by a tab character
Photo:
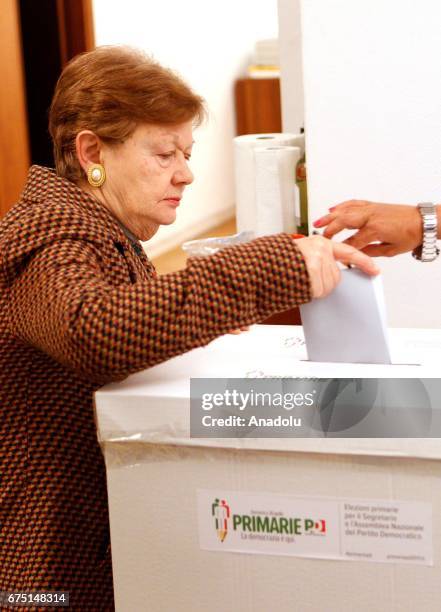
209	44
291	68
372	81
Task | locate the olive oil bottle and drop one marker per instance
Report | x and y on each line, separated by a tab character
303	194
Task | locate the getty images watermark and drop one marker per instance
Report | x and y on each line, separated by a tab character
311	407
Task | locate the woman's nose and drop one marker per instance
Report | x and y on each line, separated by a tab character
183	174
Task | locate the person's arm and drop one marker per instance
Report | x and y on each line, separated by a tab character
62	304
383	229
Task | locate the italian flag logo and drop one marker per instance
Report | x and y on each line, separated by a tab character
220	510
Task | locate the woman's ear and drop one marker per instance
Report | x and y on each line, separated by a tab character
88	148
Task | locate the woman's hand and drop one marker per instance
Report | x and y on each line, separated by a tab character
394	228
321	257
240	330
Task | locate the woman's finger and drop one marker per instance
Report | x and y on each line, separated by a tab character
360	239
239	330
334	227
325	220
331	275
349	255
314	266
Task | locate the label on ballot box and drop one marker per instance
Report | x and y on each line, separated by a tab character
326	528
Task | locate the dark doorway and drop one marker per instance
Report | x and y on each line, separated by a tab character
53	31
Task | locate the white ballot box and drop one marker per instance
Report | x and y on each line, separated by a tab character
251	524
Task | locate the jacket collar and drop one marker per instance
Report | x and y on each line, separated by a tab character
43	184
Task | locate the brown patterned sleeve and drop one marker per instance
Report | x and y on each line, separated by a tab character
62	304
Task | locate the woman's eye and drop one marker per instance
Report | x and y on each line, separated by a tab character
166	155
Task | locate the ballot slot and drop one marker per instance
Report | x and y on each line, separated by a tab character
396	360
394	363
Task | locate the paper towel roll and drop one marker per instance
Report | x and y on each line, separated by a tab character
275	189
245	173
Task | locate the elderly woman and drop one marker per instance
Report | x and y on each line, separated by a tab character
81	305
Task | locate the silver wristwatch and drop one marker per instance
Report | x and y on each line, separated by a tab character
428	250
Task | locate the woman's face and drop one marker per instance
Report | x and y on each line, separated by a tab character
146	176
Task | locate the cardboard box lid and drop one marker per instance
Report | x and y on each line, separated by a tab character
153	406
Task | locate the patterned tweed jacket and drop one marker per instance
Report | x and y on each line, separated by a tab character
79	308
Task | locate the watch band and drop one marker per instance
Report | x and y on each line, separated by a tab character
428	250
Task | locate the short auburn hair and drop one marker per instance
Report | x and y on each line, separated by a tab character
110	91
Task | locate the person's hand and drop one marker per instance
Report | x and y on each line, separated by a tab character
393	228
321	257
240	330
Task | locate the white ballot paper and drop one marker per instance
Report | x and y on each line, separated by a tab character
349	325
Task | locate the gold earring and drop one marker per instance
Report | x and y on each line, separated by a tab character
96	175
